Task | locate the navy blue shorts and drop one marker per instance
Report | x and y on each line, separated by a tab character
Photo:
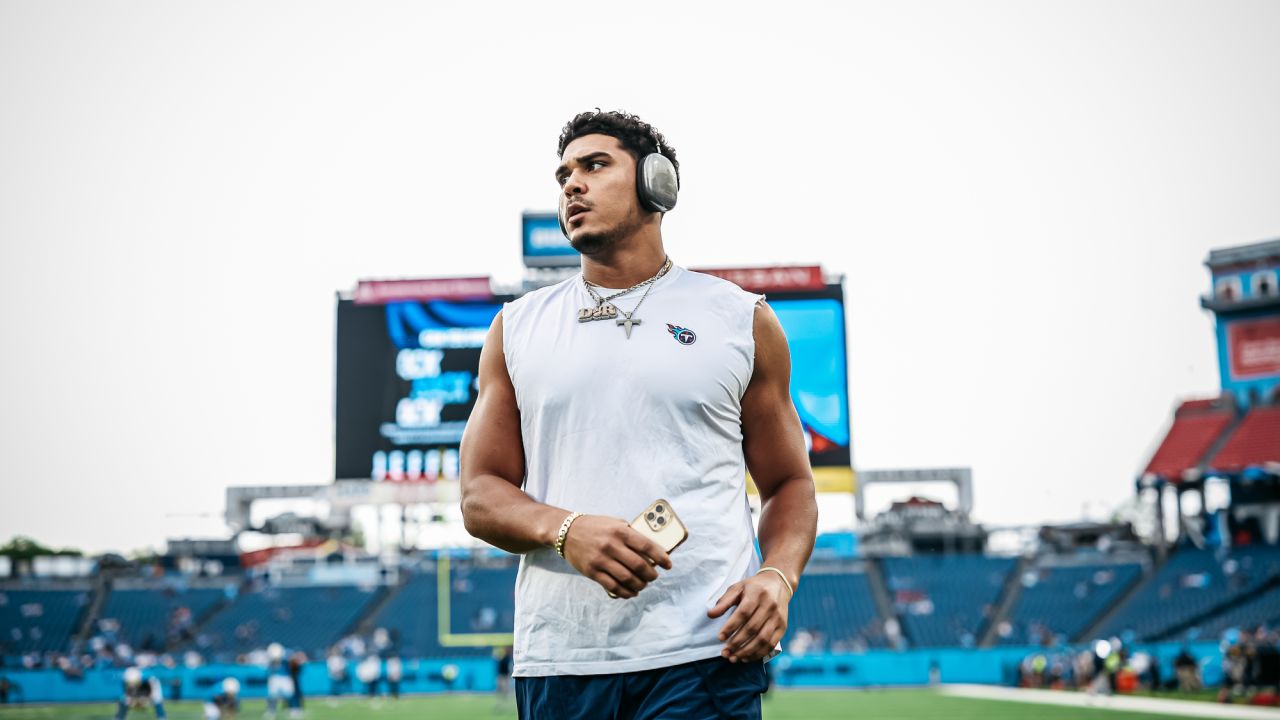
713	689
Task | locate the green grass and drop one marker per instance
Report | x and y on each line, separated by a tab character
780	705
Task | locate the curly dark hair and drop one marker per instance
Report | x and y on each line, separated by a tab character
637	136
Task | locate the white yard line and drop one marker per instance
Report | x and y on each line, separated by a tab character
1172	708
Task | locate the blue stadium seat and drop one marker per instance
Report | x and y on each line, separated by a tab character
837	612
1261	610
39	620
482	601
1191	583
310	619
1063	601
146	616
944	600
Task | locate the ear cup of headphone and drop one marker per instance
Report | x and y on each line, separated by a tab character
657	183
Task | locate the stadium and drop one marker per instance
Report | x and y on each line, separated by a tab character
1021	329
1181	603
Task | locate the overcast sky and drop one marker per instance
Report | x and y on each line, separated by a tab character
1020	195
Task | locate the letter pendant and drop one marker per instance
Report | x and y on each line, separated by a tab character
604	312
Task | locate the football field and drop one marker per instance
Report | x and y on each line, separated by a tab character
779	705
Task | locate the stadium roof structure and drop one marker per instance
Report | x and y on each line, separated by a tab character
1243	254
1255	443
1197	426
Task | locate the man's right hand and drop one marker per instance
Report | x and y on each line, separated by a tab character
612	553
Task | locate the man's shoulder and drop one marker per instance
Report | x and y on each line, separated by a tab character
728	293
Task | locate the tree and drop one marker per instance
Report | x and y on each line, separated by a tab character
22	547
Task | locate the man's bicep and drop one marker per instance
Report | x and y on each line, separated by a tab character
491	444
773	441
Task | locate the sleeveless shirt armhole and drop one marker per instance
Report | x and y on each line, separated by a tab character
756	301
505	312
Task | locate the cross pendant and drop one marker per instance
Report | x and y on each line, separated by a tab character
627	321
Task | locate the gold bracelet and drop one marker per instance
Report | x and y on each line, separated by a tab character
564	532
782	575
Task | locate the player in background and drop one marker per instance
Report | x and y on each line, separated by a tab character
140	693
226	703
369	672
337	667
502	658
279	683
296	661
395	672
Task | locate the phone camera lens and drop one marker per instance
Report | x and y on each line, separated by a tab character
649	516
662	521
659	508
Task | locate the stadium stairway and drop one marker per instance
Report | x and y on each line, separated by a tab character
880	592
1243	601
367	622
205	617
1004	606
97	598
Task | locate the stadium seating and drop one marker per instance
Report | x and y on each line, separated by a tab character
301	618
1196	425
146	617
1263	609
1189	585
943	600
39	620
1255	442
1063	601
482	601
836	612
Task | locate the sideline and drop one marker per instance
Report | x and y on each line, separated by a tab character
1178	708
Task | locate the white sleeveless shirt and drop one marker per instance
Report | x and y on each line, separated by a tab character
611	424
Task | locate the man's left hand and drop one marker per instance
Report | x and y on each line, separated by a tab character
760	620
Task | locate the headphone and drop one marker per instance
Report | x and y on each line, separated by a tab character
657	185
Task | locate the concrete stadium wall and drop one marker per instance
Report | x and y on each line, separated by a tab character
995	666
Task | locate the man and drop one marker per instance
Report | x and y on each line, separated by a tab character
337	666
280	684
140	693
680	390
225	704
503	660
297	660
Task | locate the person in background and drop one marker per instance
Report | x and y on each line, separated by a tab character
296	661
226	703
395	671
503	657
139	693
279	682
369	671
337	666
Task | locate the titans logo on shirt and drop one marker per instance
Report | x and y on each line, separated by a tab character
684	336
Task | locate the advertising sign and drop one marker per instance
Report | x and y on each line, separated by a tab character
1254	347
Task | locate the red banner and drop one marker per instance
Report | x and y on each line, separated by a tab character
772	279
381	292
1254	347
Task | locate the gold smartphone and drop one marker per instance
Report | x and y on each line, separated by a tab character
660	524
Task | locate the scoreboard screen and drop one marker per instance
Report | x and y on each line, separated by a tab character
406	381
814	324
